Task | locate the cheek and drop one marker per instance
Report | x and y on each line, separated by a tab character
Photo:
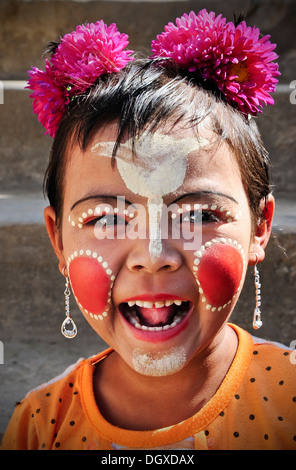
91	284
219	273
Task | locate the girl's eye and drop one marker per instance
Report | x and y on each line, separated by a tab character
192	217
106	220
208	216
195	217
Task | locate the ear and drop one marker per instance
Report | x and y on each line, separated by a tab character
54	235
262	231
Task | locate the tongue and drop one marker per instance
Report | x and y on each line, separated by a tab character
155	316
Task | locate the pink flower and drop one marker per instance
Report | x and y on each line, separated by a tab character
88	53
251	74
236	59
79	60
196	41
49	98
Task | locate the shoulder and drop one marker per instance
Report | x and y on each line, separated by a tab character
63	388
264	354
271	377
48	399
63	382
45	409
262	411
278	353
68	380
275	361
264	365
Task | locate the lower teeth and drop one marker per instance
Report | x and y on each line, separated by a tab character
134	320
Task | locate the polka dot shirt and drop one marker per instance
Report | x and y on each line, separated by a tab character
254	408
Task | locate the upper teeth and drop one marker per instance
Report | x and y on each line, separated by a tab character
158	304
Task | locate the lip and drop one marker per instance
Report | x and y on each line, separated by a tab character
153	298
162	335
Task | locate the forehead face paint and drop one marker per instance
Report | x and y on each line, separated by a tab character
218	269
91	281
159	169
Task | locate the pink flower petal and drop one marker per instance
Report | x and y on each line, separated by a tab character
80	59
213	46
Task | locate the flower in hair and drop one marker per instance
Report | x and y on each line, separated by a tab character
50	99
234	58
89	52
81	57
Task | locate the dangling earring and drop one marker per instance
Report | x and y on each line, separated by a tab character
68	328
257	322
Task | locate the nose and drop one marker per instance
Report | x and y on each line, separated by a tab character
140	259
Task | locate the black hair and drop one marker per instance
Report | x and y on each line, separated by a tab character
143	95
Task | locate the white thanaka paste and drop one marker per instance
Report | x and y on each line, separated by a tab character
159	364
176	212
199	253
158	169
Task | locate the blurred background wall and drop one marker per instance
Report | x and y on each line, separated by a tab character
31	288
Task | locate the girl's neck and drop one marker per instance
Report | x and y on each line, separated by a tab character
134	401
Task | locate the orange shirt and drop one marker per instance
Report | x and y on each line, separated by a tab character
254	408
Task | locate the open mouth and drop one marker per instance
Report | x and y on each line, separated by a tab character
160	315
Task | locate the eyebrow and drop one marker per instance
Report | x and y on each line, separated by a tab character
196	194
203	193
99	196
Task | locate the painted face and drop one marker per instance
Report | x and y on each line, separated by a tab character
91	282
218	268
155	302
151	174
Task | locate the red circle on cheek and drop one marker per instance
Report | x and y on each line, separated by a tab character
219	273
90	284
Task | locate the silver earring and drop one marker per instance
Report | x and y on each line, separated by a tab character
68	328
257	322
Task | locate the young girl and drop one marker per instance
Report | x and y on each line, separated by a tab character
159	201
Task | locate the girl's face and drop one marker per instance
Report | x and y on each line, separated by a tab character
156	247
